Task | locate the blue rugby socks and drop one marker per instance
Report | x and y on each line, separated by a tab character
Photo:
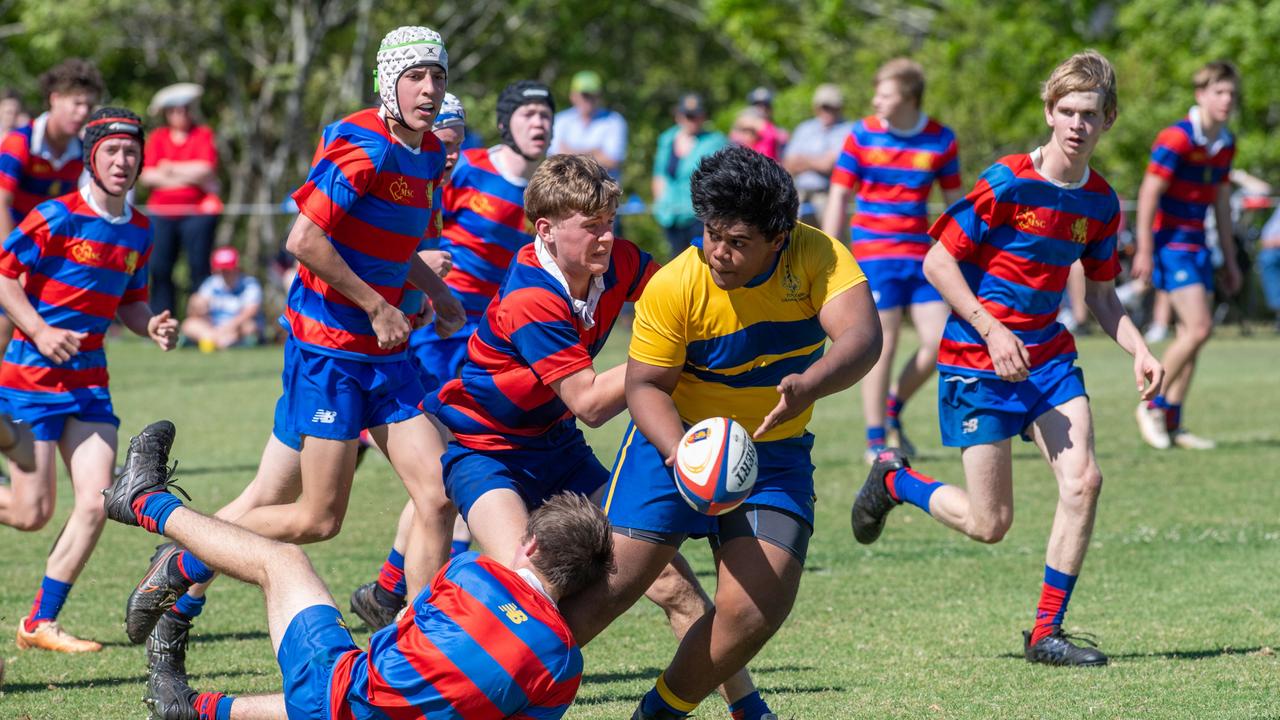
908	486
153	510
188	607
875	437
457	547
750	707
892	409
391	580
49	600
661	703
191	567
213	706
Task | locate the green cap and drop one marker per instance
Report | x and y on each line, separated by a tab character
586	82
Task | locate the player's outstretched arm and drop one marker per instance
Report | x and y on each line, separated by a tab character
1153	186
1101	298
648	389
594	398
1008	355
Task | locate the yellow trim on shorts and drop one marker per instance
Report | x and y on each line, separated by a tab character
622	458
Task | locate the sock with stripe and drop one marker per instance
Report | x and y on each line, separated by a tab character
457	547
188	607
892	409
660	702
213	706
50	598
190	567
875	436
1054	596
908	486
1158	402
750	707
1172	417
391	577
153	510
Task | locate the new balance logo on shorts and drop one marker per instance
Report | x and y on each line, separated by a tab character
325	416
968	426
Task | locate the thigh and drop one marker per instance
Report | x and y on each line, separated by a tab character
89	451
1064	435
758	575
638	562
929	319
327	468
497	520
1191	304
642	494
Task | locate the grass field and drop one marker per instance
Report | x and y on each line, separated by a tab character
1181	584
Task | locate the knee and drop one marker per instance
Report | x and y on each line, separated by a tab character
1081	492
1200	332
33	518
91	513
677	595
754	622
992	529
318	525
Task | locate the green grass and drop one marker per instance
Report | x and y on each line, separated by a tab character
1180	585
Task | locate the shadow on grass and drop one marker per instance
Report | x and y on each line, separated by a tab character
202	637
650	673
607	698
139	679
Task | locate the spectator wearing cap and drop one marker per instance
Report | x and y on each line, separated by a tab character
680	148
180	168
588	128
770	139
226	310
812	151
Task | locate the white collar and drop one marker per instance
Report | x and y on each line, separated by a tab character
40	147
919	126
584	309
1197	132
1036	157
534	582
495	157
102	212
382	113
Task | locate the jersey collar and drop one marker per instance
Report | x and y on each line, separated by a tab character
1035	163
527	575
763	277
39	145
1197	132
102	212
584	309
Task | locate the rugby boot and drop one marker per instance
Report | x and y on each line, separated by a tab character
1187	441
144	472
871	453
169	697
366	603
167	645
1057	648
1151	425
874	501
49	635
155	593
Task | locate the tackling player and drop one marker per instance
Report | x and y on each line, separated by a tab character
1189	174
892	159
735	327
72	265
483	640
1006	365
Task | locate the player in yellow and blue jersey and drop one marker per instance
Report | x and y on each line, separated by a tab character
736	326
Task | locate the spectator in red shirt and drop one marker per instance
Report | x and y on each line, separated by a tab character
180	168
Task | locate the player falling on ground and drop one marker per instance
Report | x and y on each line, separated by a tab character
482	641
735	327
892	159
44	160
484	228
71	266
1006	365
365	214
1188	175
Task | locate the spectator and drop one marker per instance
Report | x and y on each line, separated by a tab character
771	138
227	308
1269	264
680	148
587	128
812	151
12	113
180	167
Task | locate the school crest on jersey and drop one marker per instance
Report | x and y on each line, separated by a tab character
922	161
1028	221
877	156
1080	231
85	254
790	283
400	190
131	262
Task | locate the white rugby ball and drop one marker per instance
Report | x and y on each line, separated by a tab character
715	466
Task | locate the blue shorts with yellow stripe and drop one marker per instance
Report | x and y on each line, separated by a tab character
642	492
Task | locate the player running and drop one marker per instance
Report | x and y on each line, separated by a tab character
892	159
483	640
72	265
734	327
1189	174
365	216
1006	365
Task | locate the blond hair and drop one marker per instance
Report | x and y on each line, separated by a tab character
1086	71
567	184
1215	71
909	75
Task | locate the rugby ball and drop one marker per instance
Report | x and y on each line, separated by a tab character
715	467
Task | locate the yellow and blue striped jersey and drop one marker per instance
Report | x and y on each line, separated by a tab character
735	345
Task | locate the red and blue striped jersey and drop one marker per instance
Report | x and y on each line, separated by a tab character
1195	173
80	268
1015	236
484	228
893	174
529	338
31	178
373	198
481	643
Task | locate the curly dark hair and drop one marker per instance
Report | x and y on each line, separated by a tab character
71	75
739	184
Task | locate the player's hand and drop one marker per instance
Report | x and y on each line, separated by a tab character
1232	280
795	397
163	329
440	261
1140	268
670	460
450	316
1009	356
390	325
57	344
1148	372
